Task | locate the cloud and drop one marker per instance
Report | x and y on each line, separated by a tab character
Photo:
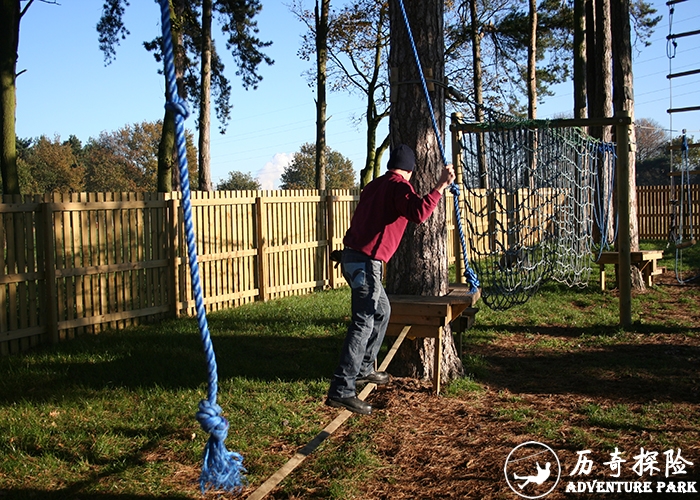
269	175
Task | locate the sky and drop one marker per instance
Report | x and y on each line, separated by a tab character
66	89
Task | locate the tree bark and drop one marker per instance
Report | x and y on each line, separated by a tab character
321	60
205	101
419	267
478	92
10	15
623	99
602	107
580	110
532	64
166	148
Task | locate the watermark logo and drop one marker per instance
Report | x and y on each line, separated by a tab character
532	470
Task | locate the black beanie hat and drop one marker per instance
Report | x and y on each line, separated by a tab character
403	158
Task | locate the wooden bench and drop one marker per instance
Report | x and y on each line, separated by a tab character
429	315
645	260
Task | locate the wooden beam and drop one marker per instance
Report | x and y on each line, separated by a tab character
301	455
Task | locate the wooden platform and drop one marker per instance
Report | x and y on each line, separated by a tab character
645	260
428	316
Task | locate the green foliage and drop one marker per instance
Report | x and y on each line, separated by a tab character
121	161
50	165
238	24
301	173
238	181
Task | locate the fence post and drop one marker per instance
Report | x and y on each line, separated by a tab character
171	209
330	237
262	247
51	296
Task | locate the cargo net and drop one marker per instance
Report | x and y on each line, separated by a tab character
528	206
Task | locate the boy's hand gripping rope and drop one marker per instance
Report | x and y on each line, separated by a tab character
221	469
454	188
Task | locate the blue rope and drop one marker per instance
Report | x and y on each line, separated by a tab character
221	469
454	188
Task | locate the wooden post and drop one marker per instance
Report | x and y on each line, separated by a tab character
50	272
172	208
624	277
330	237
262	247
459	170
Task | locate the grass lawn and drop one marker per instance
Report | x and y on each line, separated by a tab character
112	416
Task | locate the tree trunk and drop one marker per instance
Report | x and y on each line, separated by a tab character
205	100
532	89
321	59
9	41
532	64
166	159
580	110
623	100
419	267
602	107
166	148
590	55
478	92
372	168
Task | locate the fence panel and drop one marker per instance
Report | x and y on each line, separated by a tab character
81	263
21	275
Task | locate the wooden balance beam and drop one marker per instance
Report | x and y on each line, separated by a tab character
645	260
428	316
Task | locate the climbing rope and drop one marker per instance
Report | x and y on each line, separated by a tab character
221	469
469	273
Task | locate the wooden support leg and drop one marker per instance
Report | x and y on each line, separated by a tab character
602	277
437	365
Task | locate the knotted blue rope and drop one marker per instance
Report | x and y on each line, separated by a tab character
454	188
221	469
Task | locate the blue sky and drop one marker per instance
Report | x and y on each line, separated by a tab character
67	89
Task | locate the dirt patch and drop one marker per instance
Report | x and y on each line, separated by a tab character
637	393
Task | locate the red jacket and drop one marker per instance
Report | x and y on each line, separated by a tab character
386	205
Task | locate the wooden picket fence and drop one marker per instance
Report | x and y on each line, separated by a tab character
654	210
85	262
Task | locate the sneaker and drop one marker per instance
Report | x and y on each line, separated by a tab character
379	378
354	404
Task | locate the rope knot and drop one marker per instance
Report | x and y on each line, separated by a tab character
178	106
209	417
454	189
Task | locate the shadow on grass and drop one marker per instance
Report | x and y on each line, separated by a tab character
622	370
167	356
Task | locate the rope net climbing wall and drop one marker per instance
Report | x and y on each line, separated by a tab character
528	205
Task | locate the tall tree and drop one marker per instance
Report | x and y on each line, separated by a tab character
301	172
205	99
358	41
580	60
623	100
321	17
237	20
238	181
419	267
10	15
503	28
532	62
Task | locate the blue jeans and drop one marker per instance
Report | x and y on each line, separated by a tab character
370	317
